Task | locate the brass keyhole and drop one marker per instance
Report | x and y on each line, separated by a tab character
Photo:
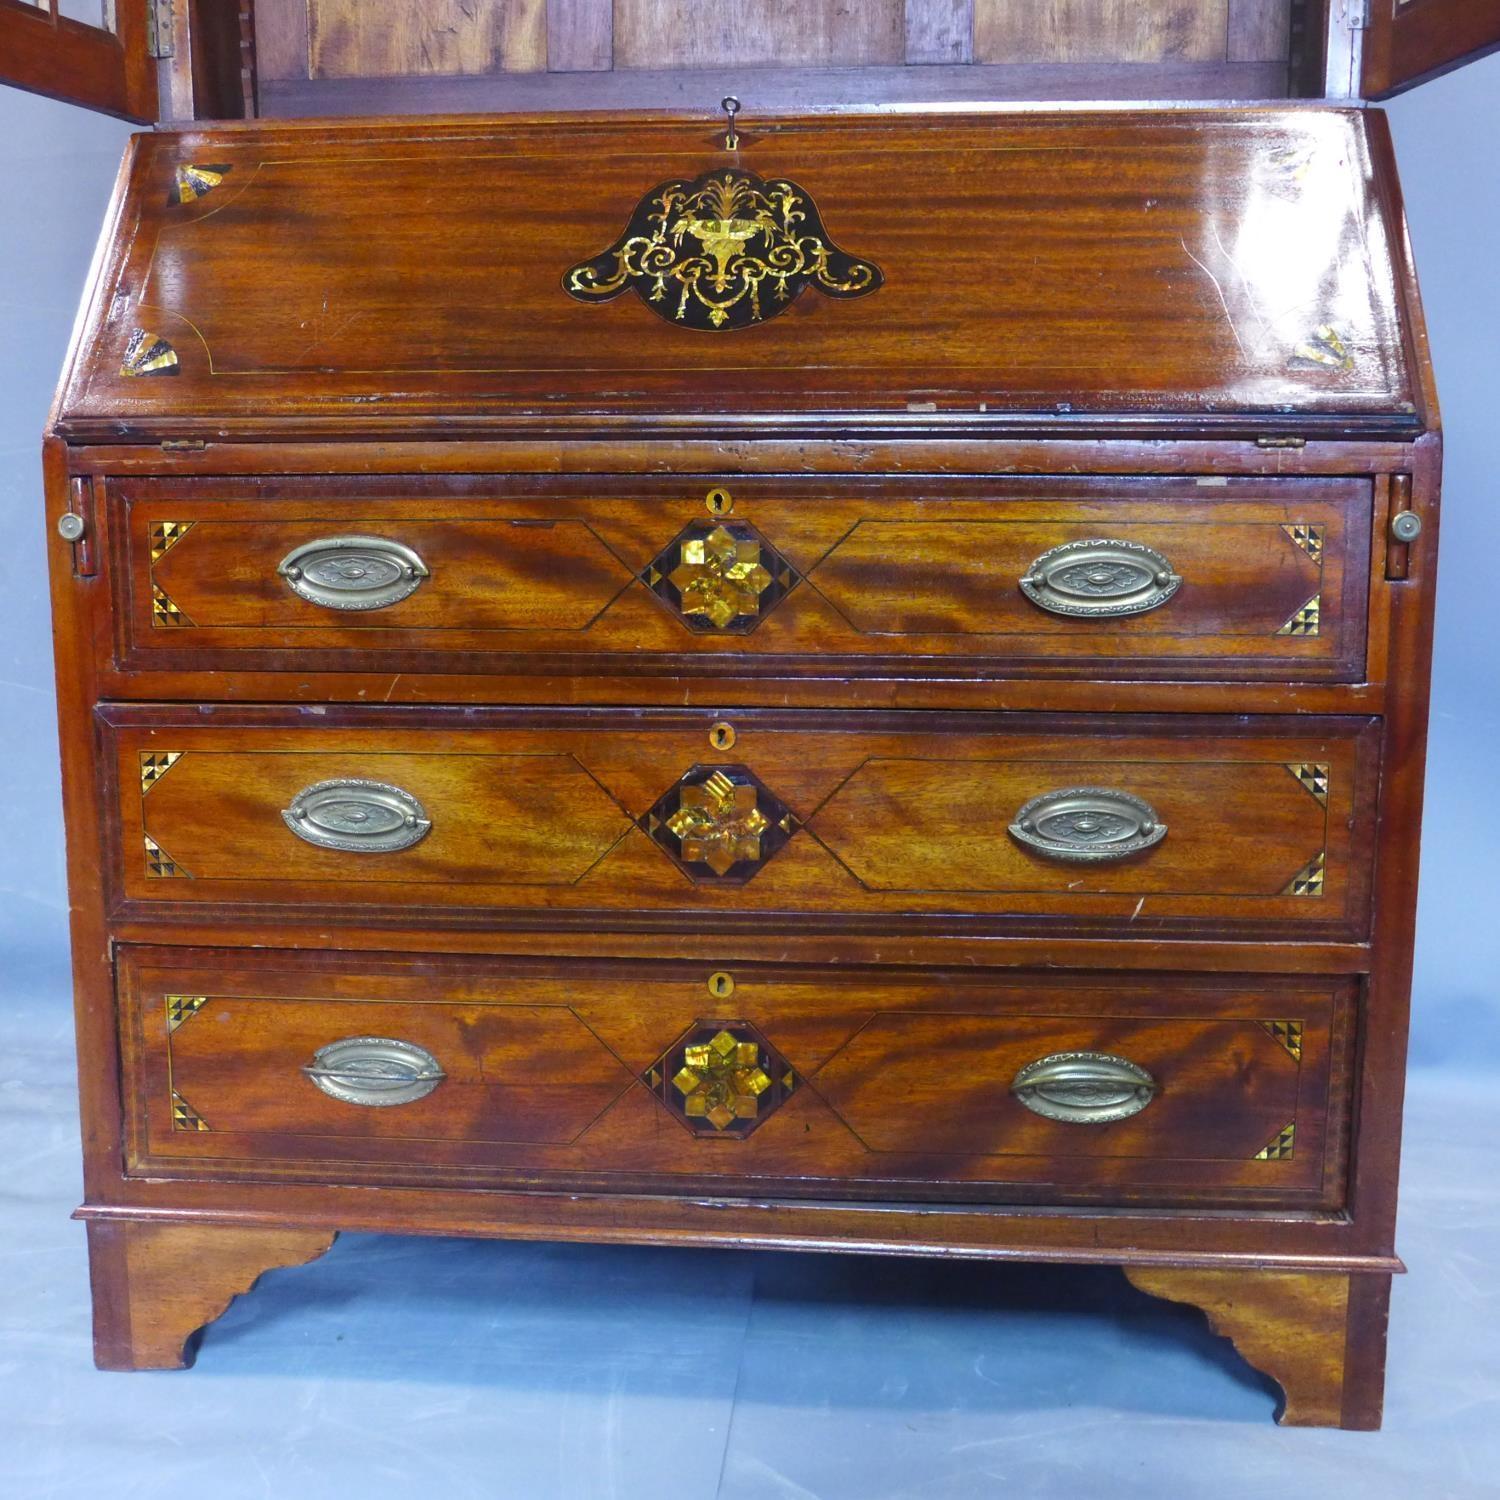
721	985
722	736
719	502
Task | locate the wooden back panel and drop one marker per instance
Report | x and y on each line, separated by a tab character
345	56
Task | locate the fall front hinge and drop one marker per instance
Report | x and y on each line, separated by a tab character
159	28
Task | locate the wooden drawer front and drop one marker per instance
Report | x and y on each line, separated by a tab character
548	818
797	1080
841	575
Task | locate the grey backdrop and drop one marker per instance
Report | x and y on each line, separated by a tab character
56	168
537	1372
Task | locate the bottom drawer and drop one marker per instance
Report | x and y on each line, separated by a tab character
1001	1086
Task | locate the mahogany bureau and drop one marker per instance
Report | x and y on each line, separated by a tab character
829	682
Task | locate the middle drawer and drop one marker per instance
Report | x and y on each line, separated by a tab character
632	819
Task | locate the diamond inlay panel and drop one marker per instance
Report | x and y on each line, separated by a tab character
721	1078
720	576
720	823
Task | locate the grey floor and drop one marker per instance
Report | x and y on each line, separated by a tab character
395	1368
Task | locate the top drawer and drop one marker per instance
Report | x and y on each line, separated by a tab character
1145	578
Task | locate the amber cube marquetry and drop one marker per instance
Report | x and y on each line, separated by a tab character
720	823
721	1078
720	576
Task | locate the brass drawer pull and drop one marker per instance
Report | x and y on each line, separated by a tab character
1084	1088
1100	579
358	817
375	1071
353	572
1088	825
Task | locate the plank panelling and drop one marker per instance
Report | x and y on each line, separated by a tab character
580	35
281	39
706	33
939	31
1047	31
1259	30
350	39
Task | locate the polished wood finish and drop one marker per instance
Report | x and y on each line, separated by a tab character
548	1078
541	571
1409	41
1319	1337
156	1284
1049	227
65	59
897	948
894	821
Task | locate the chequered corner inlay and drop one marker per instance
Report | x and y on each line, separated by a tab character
161	864
166	534
182	1008
720	823
163	610
720	576
191	182
1288	1033
155	764
1314	778
1308	538
149	353
184	1116
1282	1148
1307	621
721	1078
1308	881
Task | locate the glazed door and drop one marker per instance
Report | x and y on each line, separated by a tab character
89	52
1410	41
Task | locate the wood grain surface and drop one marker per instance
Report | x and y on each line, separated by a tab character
535	573
549	818
901	1087
1180	271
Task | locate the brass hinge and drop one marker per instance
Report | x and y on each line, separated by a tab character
1281	442
183	445
159	28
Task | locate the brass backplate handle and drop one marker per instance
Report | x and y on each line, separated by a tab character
353	572
1084	1088
357	816
374	1071
1100	579
1087	825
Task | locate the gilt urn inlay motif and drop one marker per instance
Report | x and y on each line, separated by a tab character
721	1078
724	251
720	823
720	576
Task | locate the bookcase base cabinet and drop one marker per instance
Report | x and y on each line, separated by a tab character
765	703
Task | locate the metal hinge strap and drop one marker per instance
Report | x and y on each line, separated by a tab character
1281	442
159	28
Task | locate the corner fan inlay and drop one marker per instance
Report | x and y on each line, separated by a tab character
724	251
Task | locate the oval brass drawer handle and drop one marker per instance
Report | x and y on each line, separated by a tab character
1088	825
1100	579
356	816
353	572
374	1071
1084	1088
